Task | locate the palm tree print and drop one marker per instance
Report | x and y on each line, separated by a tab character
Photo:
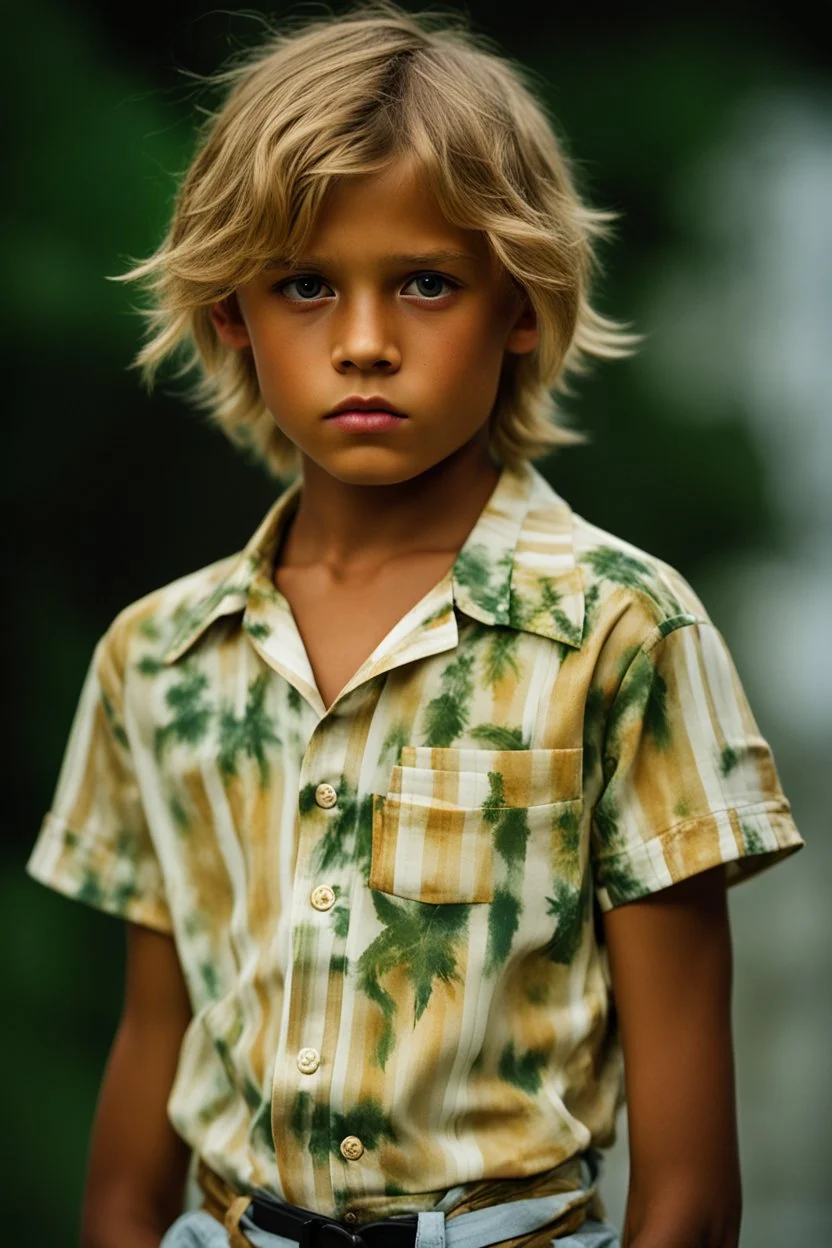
522	1069
421	939
623	569
550	604
499	655
571	908
511	834
447	714
348	834
325	1129
473	568
115	723
500	736
191	713
250	735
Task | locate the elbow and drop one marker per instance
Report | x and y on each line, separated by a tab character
687	1233
699	1226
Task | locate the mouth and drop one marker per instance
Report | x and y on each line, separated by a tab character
360	405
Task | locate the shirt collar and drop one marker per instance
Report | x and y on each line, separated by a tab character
517	566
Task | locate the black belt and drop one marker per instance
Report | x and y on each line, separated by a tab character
311	1230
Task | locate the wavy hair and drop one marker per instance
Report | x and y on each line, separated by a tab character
345	95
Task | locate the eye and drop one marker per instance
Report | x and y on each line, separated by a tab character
306	288
431	285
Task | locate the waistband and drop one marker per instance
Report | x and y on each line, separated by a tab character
502	1213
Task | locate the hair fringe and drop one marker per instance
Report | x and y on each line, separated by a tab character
495	162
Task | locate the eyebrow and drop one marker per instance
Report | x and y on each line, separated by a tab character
422	260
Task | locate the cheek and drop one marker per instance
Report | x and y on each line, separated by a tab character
473	346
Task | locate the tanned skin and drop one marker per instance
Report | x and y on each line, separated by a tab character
138	1164
671	969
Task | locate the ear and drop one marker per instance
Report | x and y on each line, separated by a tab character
523	335
229	324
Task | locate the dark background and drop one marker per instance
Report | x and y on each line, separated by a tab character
709	129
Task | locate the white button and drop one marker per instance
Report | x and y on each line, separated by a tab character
322	897
308	1061
351	1148
325	796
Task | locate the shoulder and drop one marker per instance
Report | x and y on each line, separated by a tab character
628	591
142	630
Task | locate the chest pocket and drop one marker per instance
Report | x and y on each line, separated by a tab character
435	830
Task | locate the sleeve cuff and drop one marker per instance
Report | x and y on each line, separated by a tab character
745	840
58	861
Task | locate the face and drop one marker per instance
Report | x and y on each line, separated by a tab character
390	302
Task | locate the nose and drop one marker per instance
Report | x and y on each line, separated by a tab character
364	339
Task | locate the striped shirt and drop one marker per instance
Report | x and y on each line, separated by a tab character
387	912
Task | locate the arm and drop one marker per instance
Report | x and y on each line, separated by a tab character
138	1164
671	969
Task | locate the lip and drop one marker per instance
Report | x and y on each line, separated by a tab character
366	422
360	403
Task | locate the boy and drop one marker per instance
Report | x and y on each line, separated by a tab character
422	807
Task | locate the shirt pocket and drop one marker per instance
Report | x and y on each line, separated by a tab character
434	829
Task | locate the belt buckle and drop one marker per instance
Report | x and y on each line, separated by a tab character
326	1233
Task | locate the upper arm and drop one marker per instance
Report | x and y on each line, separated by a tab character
671	968
138	1164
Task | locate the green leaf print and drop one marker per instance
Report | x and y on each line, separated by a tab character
550	604
511	834
423	941
312	1122
594	711
503	921
115	723
522	1069
447	714
473	569
367	1120
569	905
621	884
568	824
753	843
348	835
592	599
261	1127
511	837
643	693
191	714
617	566
250	735
499	655
257	629
500	736
728	760
149	665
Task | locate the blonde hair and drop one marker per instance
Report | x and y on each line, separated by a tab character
345	95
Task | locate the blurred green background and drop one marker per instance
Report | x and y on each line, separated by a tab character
710	131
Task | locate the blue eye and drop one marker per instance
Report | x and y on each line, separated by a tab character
431	285
308	287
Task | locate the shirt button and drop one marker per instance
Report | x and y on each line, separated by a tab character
351	1148
322	897
325	796
308	1061
350	1218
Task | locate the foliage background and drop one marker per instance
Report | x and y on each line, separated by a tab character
709	130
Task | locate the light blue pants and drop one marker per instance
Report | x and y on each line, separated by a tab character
476	1229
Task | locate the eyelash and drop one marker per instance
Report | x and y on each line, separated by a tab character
280	287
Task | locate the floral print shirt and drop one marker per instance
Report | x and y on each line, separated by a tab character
387	912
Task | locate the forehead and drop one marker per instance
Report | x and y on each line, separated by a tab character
392	211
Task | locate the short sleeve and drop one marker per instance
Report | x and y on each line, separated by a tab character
688	782
94	843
